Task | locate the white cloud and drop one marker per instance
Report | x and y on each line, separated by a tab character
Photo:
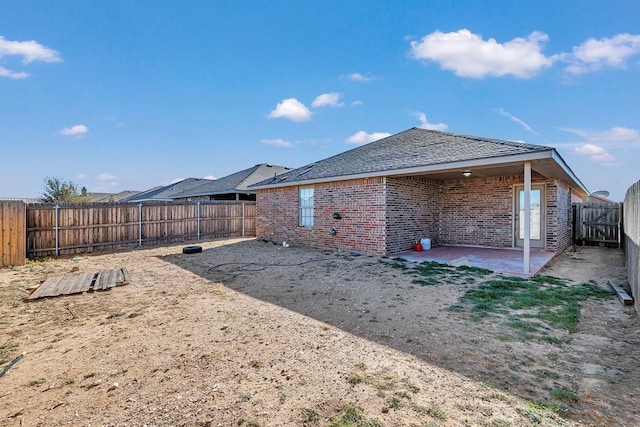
516	120
75	130
468	55
357	77
361	137
597	153
212	177
278	142
617	135
331	99
424	123
82	176
356	103
29	51
12	74
172	181
105	176
594	55
291	109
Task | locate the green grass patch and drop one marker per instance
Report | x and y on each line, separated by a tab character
6	351
310	418
352	417
564	395
530	301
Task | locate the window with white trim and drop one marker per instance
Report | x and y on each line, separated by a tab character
305	214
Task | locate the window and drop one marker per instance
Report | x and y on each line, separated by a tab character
305	216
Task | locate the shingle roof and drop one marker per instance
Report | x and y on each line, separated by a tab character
237	182
412	148
168	192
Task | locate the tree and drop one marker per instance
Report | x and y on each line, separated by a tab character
57	190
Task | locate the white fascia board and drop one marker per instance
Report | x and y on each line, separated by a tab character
560	161
440	167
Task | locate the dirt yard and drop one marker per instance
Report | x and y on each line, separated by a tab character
248	333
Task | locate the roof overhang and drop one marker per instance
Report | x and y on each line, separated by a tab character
548	163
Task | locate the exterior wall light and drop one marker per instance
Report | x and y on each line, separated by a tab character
466	174
337	215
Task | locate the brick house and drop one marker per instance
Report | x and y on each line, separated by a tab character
456	190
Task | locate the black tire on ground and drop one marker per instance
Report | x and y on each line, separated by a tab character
192	249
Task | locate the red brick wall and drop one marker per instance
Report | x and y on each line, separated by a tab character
361	203
385	215
478	211
413	207
558	216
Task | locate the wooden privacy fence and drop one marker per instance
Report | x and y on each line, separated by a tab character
82	228
632	240
597	224
12	233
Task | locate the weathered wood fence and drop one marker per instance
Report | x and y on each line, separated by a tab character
12	233
82	228
632	239
598	224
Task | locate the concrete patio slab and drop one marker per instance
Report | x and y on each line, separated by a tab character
506	261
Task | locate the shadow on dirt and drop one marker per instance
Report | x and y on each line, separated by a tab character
587	374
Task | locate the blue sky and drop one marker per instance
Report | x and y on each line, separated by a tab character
126	95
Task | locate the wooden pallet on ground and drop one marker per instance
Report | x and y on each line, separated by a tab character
69	284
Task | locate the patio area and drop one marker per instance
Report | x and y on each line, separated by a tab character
506	261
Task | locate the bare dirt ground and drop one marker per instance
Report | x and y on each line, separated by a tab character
248	333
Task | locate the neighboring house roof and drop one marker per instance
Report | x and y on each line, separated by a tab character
237	182
429	152
110	197
168	192
27	200
596	198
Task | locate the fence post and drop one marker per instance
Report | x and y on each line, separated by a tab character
198	219
57	228
242	219
140	224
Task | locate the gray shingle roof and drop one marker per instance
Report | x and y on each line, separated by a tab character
168	192
412	148
237	182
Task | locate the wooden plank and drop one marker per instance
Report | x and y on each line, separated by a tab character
64	285
77	283
108	279
125	275
622	294
45	288
103	280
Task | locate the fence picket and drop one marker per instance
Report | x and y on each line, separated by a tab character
95	227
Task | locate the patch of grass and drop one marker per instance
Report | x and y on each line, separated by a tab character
545	413
255	364
394	403
540	298
411	387
355	379
310	418
116	314
5	351
352	417
37	382
564	395
436	412
134	314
